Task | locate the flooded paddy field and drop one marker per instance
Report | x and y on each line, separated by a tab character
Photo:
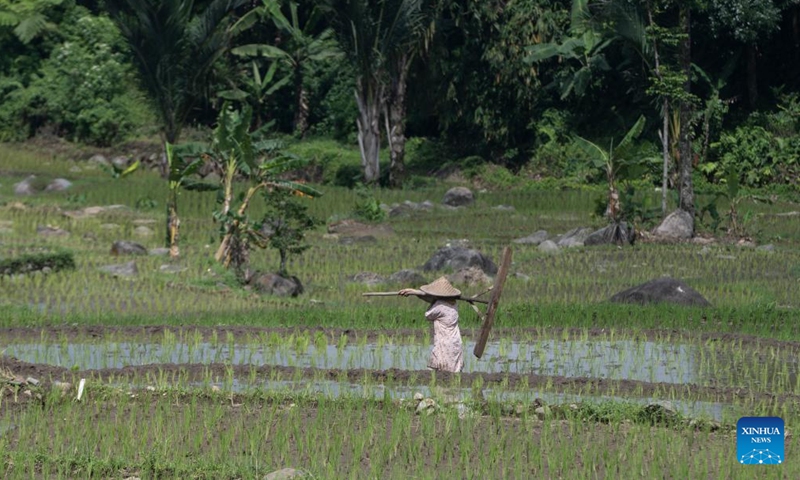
714	377
327	398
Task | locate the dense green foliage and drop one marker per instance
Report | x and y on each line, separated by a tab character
512	83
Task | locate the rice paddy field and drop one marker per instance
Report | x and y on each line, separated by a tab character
186	374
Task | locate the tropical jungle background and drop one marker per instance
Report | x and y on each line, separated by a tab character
508	91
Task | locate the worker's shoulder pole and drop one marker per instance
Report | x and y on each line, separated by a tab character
494	301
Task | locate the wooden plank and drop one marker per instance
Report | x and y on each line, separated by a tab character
494	301
390	294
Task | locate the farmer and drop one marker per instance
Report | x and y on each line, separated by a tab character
447	354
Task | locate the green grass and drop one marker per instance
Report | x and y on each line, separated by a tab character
175	435
180	432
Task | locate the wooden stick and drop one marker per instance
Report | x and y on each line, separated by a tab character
390	294
500	280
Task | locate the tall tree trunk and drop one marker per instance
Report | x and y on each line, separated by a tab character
173	221
396	122
665	153
752	77
664	134
173	225
684	140
369	99
301	114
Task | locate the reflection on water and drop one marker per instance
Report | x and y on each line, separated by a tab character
619	360
646	361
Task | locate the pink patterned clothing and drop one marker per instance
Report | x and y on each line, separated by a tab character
447	354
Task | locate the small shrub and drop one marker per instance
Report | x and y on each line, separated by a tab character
498	178
36	262
368	208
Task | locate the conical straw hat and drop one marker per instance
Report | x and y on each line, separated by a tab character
440	288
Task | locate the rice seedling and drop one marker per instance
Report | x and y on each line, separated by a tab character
345	418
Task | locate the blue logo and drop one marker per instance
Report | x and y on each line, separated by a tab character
759	440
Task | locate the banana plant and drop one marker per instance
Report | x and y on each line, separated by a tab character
584	46
261	164
256	89
613	160
183	162
306	44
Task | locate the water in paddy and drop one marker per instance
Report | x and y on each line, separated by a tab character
623	359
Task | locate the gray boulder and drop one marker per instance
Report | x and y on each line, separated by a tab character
99	159
457	258
664	289
458	197
27	186
121	270
614	234
574	237
124	247
171	268
274	284
678	225
472	276
407	277
548	246
535	238
368	278
285	474
159	251
51	231
408	207
120	161
58	185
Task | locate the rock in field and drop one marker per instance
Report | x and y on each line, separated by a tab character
121	270
274	284
534	238
665	289
58	185
368	278
472	276
574	237
285	474
51	231
171	268
678	225
98	159
124	247
614	234
548	246
407	277
27	186
457	258
458	197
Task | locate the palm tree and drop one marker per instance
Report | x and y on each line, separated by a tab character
174	46
302	48
373	34
413	43
28	18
